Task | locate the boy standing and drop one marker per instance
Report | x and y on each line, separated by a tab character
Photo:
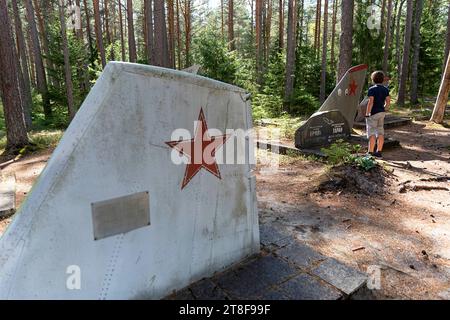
379	102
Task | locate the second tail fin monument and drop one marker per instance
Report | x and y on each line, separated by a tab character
335	117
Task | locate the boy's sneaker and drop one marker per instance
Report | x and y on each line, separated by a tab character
378	155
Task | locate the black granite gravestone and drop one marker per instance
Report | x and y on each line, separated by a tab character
322	129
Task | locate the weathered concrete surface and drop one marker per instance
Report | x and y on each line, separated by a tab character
114	147
7	195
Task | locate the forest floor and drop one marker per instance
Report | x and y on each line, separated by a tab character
399	228
403	230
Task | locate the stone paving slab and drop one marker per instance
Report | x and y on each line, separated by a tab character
207	290
253	279
343	277
306	287
271	236
301	255
292	272
7	195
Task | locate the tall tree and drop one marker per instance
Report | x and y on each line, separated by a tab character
186	11
88	27
259	40
416	51
346	46
447	39
333	34
280	25
67	68
171	40
231	25
397	37
150	33
131	39
98	32
267	28
16	131
387	39
406	52
290	55
222	23
161	48
122	37
37	57
179	35
24	77
324	52
442	99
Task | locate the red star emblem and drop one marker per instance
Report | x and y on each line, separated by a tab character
200	150
352	88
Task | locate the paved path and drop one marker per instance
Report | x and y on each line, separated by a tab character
285	269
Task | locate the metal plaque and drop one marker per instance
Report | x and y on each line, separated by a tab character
120	215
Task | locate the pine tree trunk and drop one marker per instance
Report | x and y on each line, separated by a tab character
179	36
24	77
88	28
333	34
324	53
406	52
43	37
416	52
290	55
387	39
67	69
98	32
171	23
122	40
149	22
131	38
39	64
397	39
442	99
161	52
383	10
106	20
346	45
316	29
187	32
222	23
269	25
280	25
16	131
31	59
300	18
232	45
259	40
447	41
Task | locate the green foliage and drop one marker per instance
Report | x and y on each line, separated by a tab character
365	163
341	152
39	140
215	59
431	47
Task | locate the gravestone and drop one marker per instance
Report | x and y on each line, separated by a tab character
113	216
335	117
322	129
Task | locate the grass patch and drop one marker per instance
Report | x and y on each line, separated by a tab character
39	140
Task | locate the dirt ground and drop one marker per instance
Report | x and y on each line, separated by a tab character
407	235
404	234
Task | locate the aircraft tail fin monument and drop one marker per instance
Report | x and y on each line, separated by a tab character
112	216
334	120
